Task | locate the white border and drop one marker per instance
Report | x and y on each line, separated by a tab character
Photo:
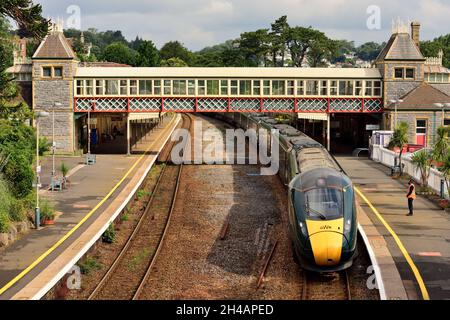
376	267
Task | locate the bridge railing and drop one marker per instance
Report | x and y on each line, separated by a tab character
223	104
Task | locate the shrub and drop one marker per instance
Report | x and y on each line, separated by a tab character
44	145
141	193
64	169
89	264
47	210
17	210
4	222
109	236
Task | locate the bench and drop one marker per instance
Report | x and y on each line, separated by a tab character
91	159
357	151
56	184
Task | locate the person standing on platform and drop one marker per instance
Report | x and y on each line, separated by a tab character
411	195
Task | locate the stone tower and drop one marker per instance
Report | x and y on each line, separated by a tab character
54	67
401	65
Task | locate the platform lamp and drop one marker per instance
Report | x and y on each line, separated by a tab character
442	106
56	104
37	213
396	103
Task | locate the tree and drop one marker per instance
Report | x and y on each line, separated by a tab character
119	53
148	55
324	49
255	47
28	17
173	62
368	51
301	40
431	48
441	145
278	39
175	49
422	161
399	139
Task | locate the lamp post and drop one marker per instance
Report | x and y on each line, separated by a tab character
56	104
396	103
89	127
37	212
442	106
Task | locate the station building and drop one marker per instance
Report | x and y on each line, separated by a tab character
340	107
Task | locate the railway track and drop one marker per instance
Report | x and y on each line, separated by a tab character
127	275
332	286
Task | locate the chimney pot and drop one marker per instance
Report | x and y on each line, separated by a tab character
415	32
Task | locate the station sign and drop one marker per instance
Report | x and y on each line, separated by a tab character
372	127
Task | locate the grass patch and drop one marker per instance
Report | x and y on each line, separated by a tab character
88	265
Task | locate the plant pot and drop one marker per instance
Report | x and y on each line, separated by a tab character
48	222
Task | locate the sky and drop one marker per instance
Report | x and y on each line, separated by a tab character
201	23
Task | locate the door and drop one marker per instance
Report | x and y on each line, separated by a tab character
421	132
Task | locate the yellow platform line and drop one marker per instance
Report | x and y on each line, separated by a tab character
399	243
82	221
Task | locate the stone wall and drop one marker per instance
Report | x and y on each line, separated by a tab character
46	92
434	120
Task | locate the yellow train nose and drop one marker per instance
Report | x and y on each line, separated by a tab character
326	241
327	247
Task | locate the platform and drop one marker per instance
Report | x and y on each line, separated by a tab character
33	264
425	236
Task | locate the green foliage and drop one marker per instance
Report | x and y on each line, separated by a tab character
5	203
399	139
174	49
174	62
18	141
48	210
441	145
431	48
44	145
109	236
88	265
119	53
422	161
64	169
148	55
17	210
445	170
28	17
141	193
124	217
369	51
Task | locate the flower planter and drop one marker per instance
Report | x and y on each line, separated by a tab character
48	222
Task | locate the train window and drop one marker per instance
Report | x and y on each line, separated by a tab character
323	203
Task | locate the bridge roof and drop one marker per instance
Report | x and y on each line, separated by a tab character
273	73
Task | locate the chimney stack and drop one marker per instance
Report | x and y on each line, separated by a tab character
415	32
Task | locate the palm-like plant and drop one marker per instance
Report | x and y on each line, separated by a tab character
422	161
441	146
399	139
446	172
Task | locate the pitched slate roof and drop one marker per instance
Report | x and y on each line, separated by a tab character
54	45
423	97
443	87
400	47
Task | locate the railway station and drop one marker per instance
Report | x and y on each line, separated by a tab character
331	225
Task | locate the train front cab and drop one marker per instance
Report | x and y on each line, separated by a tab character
322	219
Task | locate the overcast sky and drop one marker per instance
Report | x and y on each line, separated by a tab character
201	23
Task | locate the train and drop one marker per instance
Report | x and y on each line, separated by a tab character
321	200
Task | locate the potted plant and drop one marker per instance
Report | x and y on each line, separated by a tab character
64	170
399	139
48	213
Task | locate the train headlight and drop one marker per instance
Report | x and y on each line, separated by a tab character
303	229
347	225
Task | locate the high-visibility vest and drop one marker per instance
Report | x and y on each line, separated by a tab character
413	193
